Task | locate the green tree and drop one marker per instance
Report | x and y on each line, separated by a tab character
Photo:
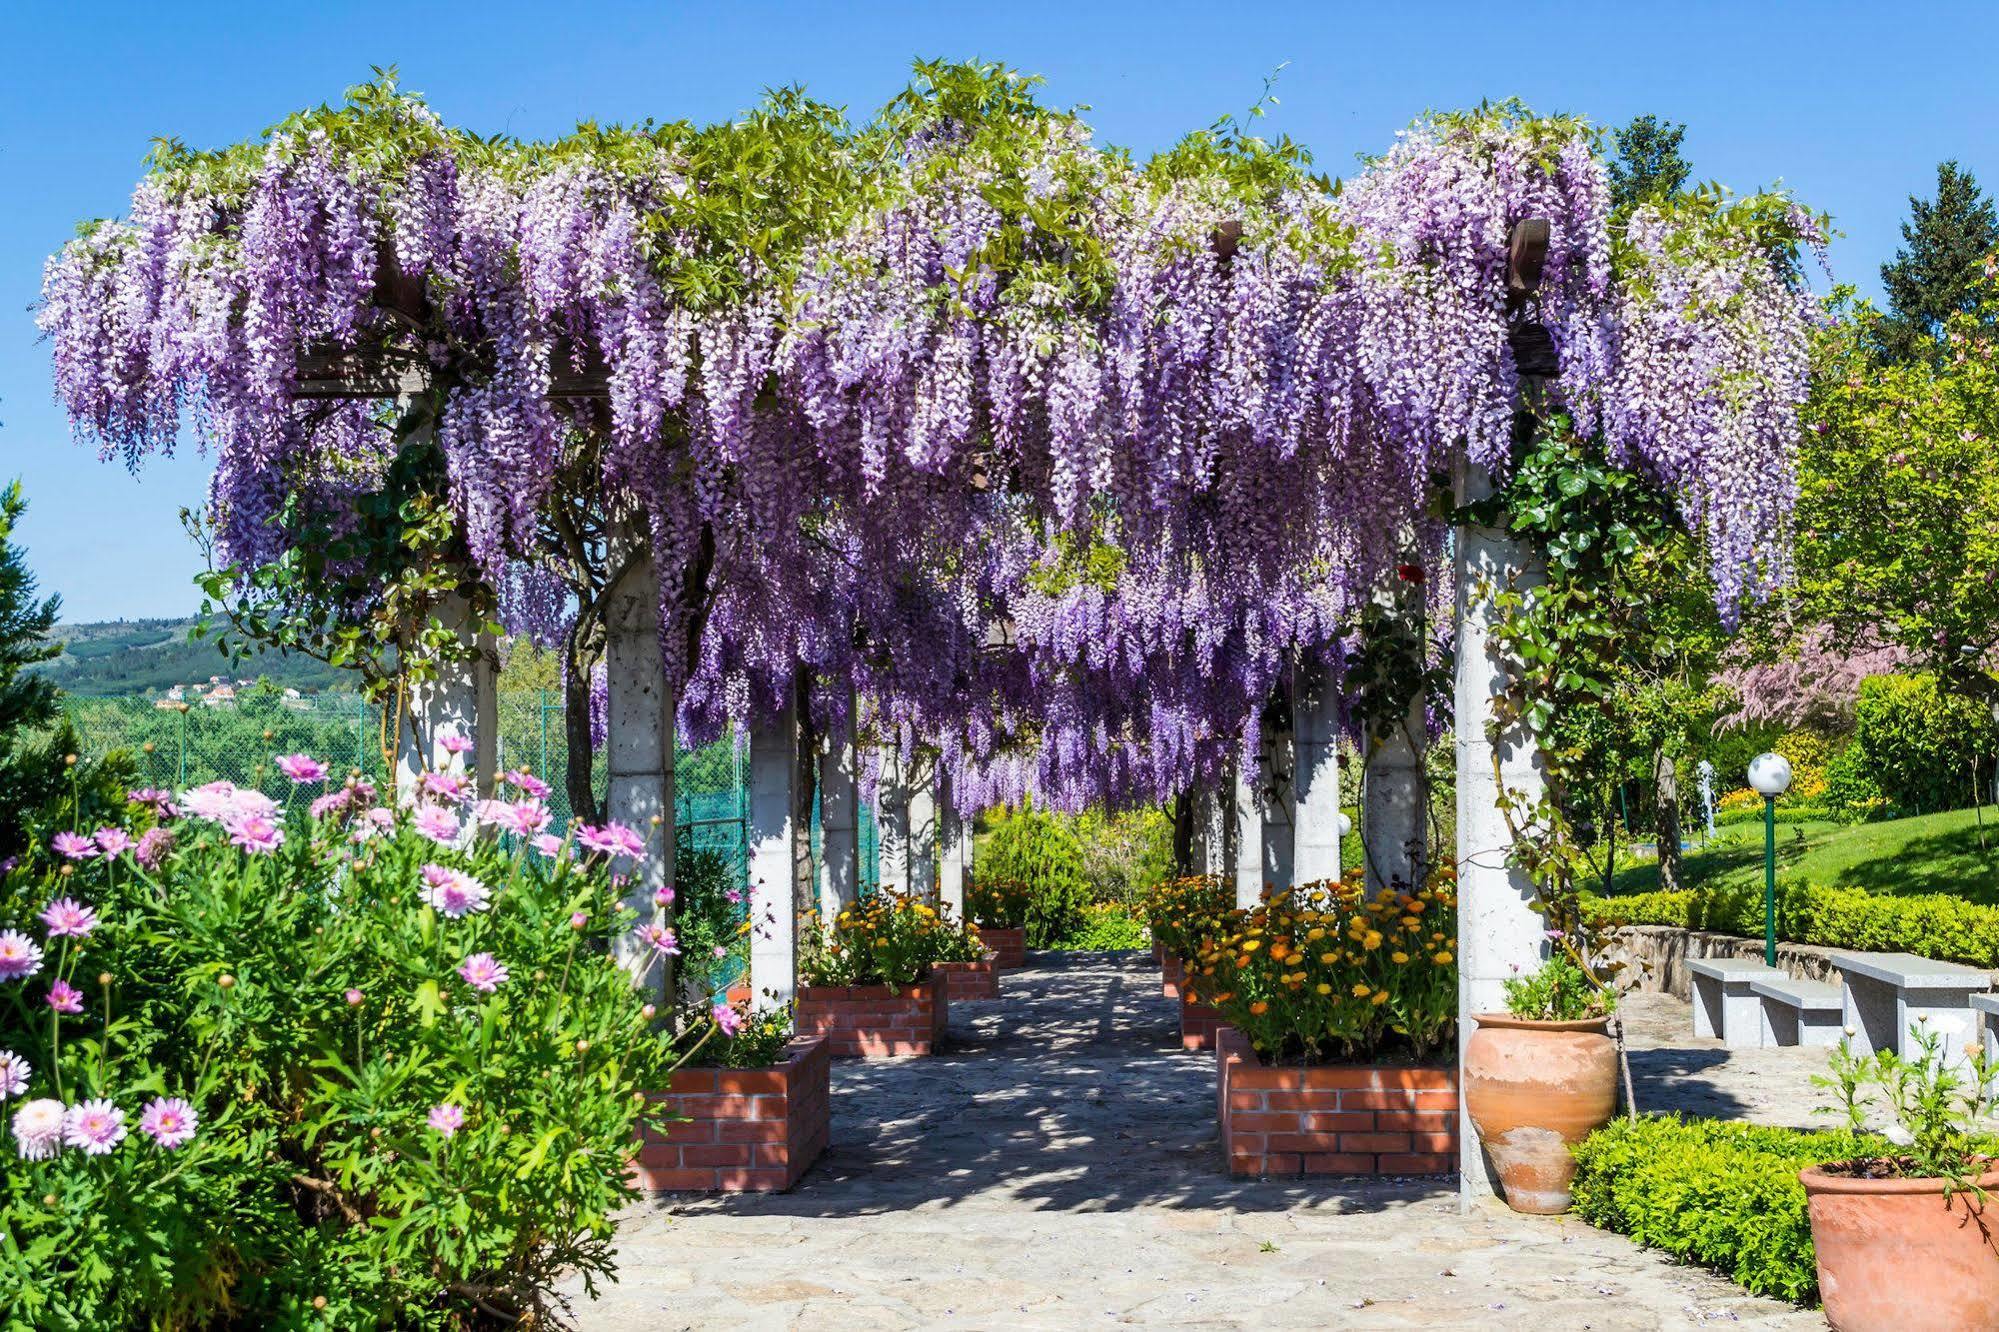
1935	275
1648	166
32	742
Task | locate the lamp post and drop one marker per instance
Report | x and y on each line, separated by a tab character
1770	774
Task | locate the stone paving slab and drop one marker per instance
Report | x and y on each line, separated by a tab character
1059	1169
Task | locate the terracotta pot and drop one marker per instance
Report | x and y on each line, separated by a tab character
1532	1090
1893	1254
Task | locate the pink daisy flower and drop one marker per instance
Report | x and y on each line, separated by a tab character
483	972
613	839
168	1121
728	1019
162	802
446	786
455	744
73	846
153	846
548	844
95	1126
333	802
38	1129
255	834
439	824
64	997
67	916
447	1118
454	892
527	783
353	997
112	841
20	956
658	938
301	768
663	896
14	1072
211	801
525	818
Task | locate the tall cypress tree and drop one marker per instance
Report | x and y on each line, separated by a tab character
32	735
1935	274
1648	167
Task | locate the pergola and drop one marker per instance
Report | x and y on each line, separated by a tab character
1248	363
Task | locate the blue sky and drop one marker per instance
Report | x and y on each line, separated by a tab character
1850	105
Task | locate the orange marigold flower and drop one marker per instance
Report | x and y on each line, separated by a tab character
1360	990
1259	1008
1442	959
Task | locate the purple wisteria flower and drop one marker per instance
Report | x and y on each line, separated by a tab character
301	768
447	1118
96	1127
38	1128
483	972
73	846
20	956
14	1074
68	917
64	997
454	893
169	1121
112	841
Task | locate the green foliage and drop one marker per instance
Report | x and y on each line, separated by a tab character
708	915
1557	991
758	1043
1107	926
1040	851
1851	793
1648	167
1125	855
308	1003
1000	903
1937	925
1939	1107
31	760
1922	748
1934	277
1721	1194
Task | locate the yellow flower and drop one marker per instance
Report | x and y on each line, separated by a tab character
1325	988
1329	958
1372	941
1442	959
1251	945
1380	997
1259	1008
1398	957
1360	990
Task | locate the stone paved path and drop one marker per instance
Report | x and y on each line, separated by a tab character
1058	1169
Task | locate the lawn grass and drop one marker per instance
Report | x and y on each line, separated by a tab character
1932	853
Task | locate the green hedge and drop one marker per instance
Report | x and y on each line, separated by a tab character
1724	1195
1107	925
1934	925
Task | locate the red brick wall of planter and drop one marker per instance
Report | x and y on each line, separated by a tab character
968	981
747	1129
1198	1024
1333	1119
1009	946
871	1021
1171	974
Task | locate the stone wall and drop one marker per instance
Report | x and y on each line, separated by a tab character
1657	956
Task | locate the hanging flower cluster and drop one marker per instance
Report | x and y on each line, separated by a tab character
1057	461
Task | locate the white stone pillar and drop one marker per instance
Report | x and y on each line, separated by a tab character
1279	810
1211	827
1317	854
773	906
639	743
1498	929
839	822
892	823
923	831
1394	819
953	844
461	703
1249	836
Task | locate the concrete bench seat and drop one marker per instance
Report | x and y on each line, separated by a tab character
1798	1012
1985	1012
1724	1005
1889	997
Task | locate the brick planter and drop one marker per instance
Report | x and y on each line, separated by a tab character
872	1021
1009	946
1198	1024
1171	973
1335	1119
966	982
748	1130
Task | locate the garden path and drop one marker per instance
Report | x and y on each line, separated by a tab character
1058	1169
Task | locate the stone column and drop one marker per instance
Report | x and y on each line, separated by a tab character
1211	826
1317	854
839	819
1280	815
923	831
639	743
1249	835
892	823
1497	927
953	841
461	703
1394	817
773	913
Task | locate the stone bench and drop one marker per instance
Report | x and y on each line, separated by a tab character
1798	1012
1724	1005
1890	996
1985	1011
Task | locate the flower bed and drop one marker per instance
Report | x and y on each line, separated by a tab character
741	1129
1172	974
1198	1024
1009	946
1332	1119
968	982
874	1021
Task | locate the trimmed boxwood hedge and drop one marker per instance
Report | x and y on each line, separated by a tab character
1934	925
1720	1194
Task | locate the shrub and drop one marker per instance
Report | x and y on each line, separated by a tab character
1722	1194
1040	851
1920	744
1108	926
1125	855
886	938
1851	793
1328	973
1182	912
708	914
1935	925
407	1069
1557	991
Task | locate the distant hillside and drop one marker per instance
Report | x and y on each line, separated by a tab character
151	656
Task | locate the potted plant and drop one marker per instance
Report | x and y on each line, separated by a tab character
1181	913
870	985
1906	1241
1000	907
1541	1077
